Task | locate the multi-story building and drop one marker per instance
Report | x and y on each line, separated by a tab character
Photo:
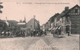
74	15
68	18
33	24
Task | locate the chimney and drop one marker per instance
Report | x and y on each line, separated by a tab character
66	8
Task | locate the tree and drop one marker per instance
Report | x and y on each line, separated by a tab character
1	7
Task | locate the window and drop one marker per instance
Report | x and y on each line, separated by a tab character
76	10
67	19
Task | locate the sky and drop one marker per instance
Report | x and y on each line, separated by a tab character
42	9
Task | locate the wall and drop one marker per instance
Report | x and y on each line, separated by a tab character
75	18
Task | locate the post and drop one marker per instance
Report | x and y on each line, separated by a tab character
34	22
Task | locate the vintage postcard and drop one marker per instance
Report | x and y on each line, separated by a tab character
39	24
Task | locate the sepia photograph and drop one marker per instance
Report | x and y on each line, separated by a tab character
39	24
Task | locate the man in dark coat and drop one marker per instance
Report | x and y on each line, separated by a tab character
68	30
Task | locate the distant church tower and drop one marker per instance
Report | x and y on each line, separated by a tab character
24	20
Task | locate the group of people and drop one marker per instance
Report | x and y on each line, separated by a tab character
36	33
5	33
58	30
55	31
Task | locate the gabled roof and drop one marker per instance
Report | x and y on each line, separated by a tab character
74	7
52	18
11	21
63	13
33	20
66	12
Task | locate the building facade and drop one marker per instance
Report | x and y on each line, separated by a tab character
74	14
68	20
33	24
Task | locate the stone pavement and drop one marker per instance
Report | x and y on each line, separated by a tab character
41	43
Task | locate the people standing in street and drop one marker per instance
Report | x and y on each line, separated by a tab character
68	30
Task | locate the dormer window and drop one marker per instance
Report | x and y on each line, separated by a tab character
76	10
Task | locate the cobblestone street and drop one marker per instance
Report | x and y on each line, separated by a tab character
40	43
39	25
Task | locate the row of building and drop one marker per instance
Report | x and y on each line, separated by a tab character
15	28
32	24
69	17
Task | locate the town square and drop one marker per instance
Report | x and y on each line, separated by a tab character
35	27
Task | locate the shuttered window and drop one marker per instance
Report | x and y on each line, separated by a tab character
76	10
